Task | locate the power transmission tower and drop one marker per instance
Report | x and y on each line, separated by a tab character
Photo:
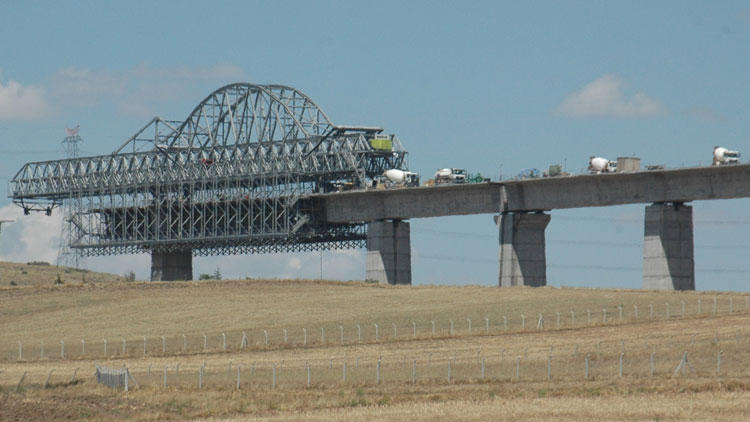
67	256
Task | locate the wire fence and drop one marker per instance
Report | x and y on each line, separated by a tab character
698	357
31	349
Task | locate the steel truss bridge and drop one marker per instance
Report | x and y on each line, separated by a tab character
234	177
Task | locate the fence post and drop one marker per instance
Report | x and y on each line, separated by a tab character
718	362
586	366
604	315
265	337
468	321
622	356
395	330
20	351
304	341
715	304
433	327
205	342
46	383
482	368
359	334
124	346
73	378
224	341
572	318
540	323
549	367
651	364
518	367
286	337
344	371
376	332
163	345
414	371
200	378
683	308
619	307
18	387
184	343
449	370
505	322
307	366
523	322
83	347
144	346
377	372
62	349
322	335
651	311
238	376
414	329
341	332
451	330
165	376
105	348
273	373
487	325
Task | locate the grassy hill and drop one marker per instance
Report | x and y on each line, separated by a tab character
532	370
39	273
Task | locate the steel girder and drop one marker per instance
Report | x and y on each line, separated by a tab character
231	178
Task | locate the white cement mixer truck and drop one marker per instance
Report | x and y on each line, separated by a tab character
598	165
401	178
724	156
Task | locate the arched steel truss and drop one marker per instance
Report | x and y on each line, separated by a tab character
233	177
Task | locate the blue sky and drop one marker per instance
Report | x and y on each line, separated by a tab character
493	87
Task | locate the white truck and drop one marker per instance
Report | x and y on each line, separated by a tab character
401	178
724	156
598	165
450	175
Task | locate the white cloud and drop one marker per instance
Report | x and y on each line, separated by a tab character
139	91
605	97
18	102
705	114
34	237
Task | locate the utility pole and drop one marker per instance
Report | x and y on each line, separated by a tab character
66	255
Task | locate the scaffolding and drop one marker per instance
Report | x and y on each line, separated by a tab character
234	177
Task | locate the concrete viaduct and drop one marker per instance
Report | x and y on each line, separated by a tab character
521	208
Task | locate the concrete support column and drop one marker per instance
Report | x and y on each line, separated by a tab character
389	252
523	260
668	262
170	266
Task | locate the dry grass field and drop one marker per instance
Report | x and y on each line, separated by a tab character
494	362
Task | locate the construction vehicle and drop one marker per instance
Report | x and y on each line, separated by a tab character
450	175
555	170
400	178
477	178
529	173
724	156
598	165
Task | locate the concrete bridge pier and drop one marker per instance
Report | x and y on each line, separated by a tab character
668	262
389	252
171	266
523	260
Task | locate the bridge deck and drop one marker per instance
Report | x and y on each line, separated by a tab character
676	185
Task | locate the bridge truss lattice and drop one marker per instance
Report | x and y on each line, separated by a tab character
234	177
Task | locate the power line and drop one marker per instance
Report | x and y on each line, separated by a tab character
572	242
